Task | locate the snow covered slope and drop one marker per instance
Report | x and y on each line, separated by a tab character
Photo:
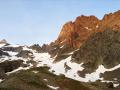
31	58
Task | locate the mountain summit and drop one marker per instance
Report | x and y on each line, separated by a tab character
73	34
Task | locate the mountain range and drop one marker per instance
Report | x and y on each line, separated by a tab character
85	56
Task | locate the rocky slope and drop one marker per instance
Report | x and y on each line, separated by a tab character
28	68
102	49
41	79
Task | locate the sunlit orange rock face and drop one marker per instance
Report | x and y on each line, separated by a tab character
73	34
110	21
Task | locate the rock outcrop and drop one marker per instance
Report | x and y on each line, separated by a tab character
110	21
75	33
9	66
101	48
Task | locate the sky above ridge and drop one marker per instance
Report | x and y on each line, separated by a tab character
40	21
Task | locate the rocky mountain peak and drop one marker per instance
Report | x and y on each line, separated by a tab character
110	21
65	33
73	34
87	21
3	41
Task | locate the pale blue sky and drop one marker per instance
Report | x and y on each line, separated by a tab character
40	21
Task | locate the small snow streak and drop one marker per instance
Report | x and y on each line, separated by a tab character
53	87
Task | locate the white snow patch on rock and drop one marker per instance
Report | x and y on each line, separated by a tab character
18	69
13	45
45	80
115	85
53	87
1	45
101	69
35	72
1	80
115	79
12	53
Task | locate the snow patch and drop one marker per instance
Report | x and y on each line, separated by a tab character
53	87
62	46
12	53
1	80
45	80
115	85
18	69
101	69
35	72
59	68
115	79
13	45
1	45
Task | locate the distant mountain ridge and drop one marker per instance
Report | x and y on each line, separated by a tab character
3	41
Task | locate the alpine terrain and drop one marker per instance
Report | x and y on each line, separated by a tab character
85	56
